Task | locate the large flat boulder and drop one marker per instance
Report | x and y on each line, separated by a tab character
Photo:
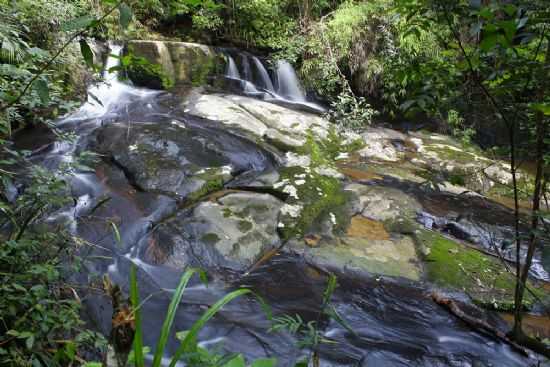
232	232
283	127
170	158
180	62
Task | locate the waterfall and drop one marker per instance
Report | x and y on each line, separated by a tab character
231	70
287	82
282	86
111	92
263	74
247	72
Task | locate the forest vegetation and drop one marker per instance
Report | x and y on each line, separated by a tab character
476	70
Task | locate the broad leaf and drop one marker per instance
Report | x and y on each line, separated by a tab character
87	53
265	362
541	107
125	15
236	362
488	42
42	89
78	23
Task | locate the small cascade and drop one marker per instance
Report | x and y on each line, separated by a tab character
288	84
266	82
110	93
231	70
246	69
250	76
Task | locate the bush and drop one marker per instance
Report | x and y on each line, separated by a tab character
351	111
41	324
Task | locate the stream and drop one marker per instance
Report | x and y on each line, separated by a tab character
395	322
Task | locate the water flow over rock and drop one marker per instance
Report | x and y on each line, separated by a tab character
153	153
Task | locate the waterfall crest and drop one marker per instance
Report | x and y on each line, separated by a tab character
279	84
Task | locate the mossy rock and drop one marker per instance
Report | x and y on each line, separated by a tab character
148	64
320	198
484	278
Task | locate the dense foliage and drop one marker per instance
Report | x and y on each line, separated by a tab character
479	70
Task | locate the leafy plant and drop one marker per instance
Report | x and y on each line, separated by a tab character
308	333
351	111
188	350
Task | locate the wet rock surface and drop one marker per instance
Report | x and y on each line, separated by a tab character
232	232
278	125
171	158
183	190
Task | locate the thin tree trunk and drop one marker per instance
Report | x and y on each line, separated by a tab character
537	196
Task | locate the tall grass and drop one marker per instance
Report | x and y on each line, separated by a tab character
189	341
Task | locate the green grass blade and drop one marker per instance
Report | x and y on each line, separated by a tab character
167	325
199	324
138	336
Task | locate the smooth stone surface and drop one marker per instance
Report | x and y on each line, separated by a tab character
163	157
384	203
233	232
396	257
281	126
382	144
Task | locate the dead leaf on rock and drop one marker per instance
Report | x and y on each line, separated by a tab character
312	240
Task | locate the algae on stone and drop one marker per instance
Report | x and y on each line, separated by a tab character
484	278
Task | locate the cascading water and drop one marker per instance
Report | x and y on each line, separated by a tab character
264	80
393	322
282	87
231	70
288	84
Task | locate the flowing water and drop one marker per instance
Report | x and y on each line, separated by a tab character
280	86
395	323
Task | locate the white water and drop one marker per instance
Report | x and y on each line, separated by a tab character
264	75
110	92
232	71
289	86
284	87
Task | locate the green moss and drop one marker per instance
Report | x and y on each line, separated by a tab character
484	278
227	212
147	74
210	238
449	153
319	196
326	150
244	226
201	71
211	185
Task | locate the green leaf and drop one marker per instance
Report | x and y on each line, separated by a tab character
510	9
236	362
172	308
78	23
115	231
486	13
125	15
509	27
541	107
42	89
29	342
189	341
87	53
265	362
329	290
138	336
488	42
